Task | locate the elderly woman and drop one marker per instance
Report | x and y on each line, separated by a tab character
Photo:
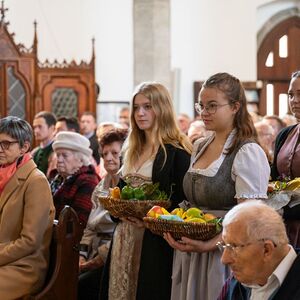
98	232
266	138
26	213
76	177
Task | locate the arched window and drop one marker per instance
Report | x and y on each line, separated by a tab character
278	57
16	95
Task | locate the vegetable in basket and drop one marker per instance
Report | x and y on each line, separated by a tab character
115	193
152	192
144	192
127	193
193	214
138	194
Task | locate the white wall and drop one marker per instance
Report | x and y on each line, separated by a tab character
212	36
207	36
267	10
65	30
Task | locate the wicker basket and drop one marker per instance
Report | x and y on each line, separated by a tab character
130	208
196	231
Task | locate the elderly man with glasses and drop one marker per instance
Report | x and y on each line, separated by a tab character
255	247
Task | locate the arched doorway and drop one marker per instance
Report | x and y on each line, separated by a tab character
278	57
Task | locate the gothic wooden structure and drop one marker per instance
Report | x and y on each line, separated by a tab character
28	86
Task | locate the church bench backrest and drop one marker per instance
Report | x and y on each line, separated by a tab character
62	277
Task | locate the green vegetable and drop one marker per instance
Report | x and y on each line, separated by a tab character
139	194
127	193
152	192
146	191
218	223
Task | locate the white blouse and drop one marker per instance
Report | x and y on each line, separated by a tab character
145	169
250	170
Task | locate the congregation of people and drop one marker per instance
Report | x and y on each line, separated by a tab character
221	162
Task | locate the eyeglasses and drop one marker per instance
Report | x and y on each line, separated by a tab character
234	248
6	144
209	108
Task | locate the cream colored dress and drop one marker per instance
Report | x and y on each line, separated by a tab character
127	246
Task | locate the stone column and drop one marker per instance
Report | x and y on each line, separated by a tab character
152	41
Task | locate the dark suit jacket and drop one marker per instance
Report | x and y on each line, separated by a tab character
95	147
289	290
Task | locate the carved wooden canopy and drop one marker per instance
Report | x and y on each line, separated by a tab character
28	86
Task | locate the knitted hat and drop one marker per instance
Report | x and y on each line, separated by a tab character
73	141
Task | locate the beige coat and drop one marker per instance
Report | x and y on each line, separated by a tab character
26	220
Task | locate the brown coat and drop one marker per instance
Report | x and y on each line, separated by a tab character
26	220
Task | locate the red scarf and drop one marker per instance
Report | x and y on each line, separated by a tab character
8	172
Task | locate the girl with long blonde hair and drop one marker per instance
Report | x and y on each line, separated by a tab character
140	265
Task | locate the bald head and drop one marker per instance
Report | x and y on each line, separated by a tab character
261	221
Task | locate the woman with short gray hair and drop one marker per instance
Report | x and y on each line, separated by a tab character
26	213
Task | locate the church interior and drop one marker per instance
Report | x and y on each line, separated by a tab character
119	44
109	106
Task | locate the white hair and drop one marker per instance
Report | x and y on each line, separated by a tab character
261	221
85	159
103	127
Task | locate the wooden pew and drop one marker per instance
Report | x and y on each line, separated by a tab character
62	277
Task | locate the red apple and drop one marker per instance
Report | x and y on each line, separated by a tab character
270	188
155	211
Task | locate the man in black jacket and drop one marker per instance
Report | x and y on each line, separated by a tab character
88	126
255	247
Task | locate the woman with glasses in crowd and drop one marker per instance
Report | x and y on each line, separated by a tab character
26	213
226	167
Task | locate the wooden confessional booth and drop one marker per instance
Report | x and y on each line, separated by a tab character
28	86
